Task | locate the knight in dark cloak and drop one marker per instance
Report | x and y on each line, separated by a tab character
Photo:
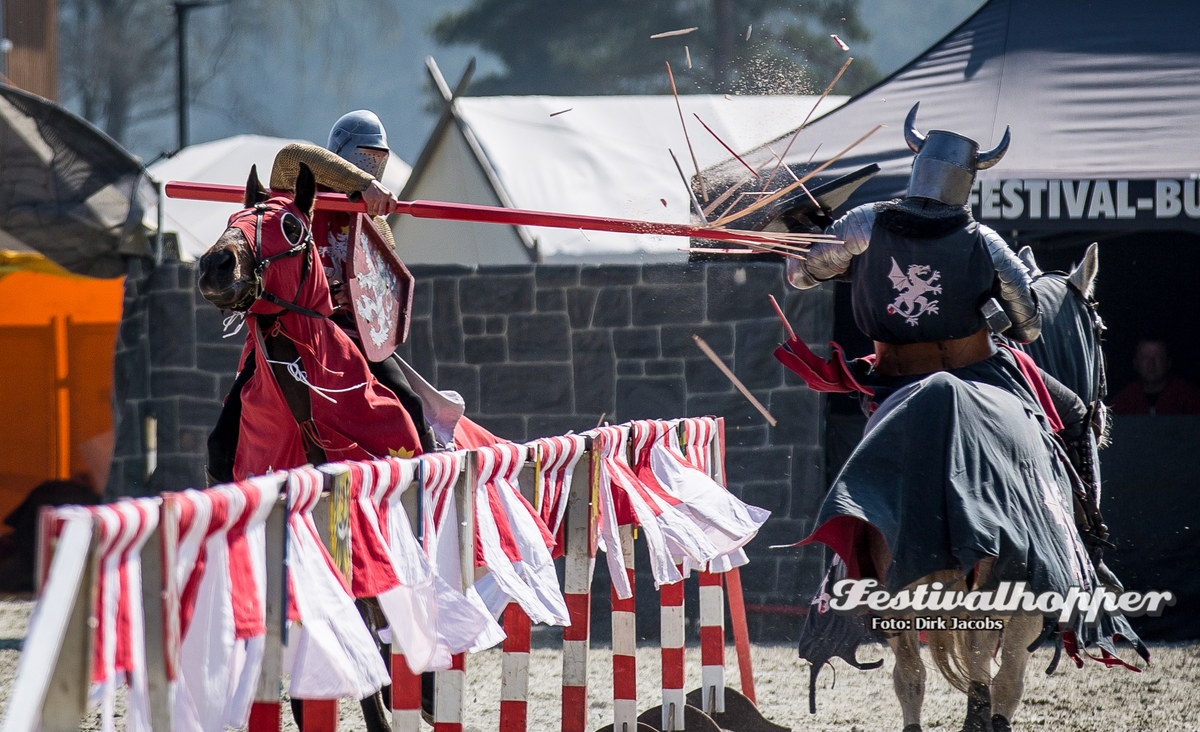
925	276
959	462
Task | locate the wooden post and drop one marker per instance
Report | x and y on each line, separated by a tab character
406	686
733	582
157	608
577	590
52	686
448	685
337	482
265	713
624	643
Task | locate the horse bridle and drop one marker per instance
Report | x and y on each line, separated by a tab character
1100	380
303	245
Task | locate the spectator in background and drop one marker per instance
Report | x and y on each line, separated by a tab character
1155	391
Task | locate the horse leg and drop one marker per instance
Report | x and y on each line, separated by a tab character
908	671
980	648
281	349
908	677
375	707
1009	682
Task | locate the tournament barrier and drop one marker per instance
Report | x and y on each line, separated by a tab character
200	602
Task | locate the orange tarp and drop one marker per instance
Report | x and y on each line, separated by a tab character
56	356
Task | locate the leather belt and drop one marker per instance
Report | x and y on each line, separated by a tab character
911	359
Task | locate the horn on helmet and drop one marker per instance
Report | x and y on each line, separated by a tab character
991	157
914	139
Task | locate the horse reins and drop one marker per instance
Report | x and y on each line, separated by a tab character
305	246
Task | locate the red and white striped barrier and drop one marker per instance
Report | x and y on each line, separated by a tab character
223	622
563	496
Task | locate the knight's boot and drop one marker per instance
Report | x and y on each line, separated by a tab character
1000	724
209	479
979	709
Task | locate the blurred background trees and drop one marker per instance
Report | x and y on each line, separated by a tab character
743	47
289	68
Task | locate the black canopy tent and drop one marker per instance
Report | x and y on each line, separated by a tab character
1103	102
1101	97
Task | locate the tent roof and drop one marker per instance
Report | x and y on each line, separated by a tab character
1095	94
226	161
70	192
608	156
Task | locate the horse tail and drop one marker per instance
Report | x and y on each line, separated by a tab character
951	652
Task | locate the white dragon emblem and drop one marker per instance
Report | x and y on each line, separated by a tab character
333	253
913	287
377	294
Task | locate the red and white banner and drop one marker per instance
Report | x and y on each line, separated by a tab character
220	569
726	520
667	524
463	623
122	529
381	530
330	653
556	460
513	541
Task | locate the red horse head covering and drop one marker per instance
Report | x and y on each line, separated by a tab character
353	416
280	234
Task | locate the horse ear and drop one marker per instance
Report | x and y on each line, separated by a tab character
306	190
1083	277
1026	255
255	193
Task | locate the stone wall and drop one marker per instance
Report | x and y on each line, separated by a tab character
535	350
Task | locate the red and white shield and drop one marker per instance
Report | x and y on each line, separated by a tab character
381	289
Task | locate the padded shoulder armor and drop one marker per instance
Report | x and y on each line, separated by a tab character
332	172
1016	288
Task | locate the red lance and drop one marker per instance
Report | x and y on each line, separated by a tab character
485	214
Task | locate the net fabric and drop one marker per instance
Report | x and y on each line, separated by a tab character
69	191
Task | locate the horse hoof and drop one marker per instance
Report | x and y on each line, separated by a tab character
1000	724
979	709
911	728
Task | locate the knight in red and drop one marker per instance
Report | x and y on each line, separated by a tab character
356	157
352	163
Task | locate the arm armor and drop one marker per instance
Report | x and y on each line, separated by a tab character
331	171
1071	409
1016	291
831	259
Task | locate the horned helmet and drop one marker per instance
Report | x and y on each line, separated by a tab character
945	166
358	137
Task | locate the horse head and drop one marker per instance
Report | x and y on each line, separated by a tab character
235	273
1069	348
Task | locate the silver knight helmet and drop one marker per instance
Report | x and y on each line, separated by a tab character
358	137
946	163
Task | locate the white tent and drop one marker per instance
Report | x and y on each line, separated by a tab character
601	156
227	161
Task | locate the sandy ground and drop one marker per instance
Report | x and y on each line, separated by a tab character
1164	696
